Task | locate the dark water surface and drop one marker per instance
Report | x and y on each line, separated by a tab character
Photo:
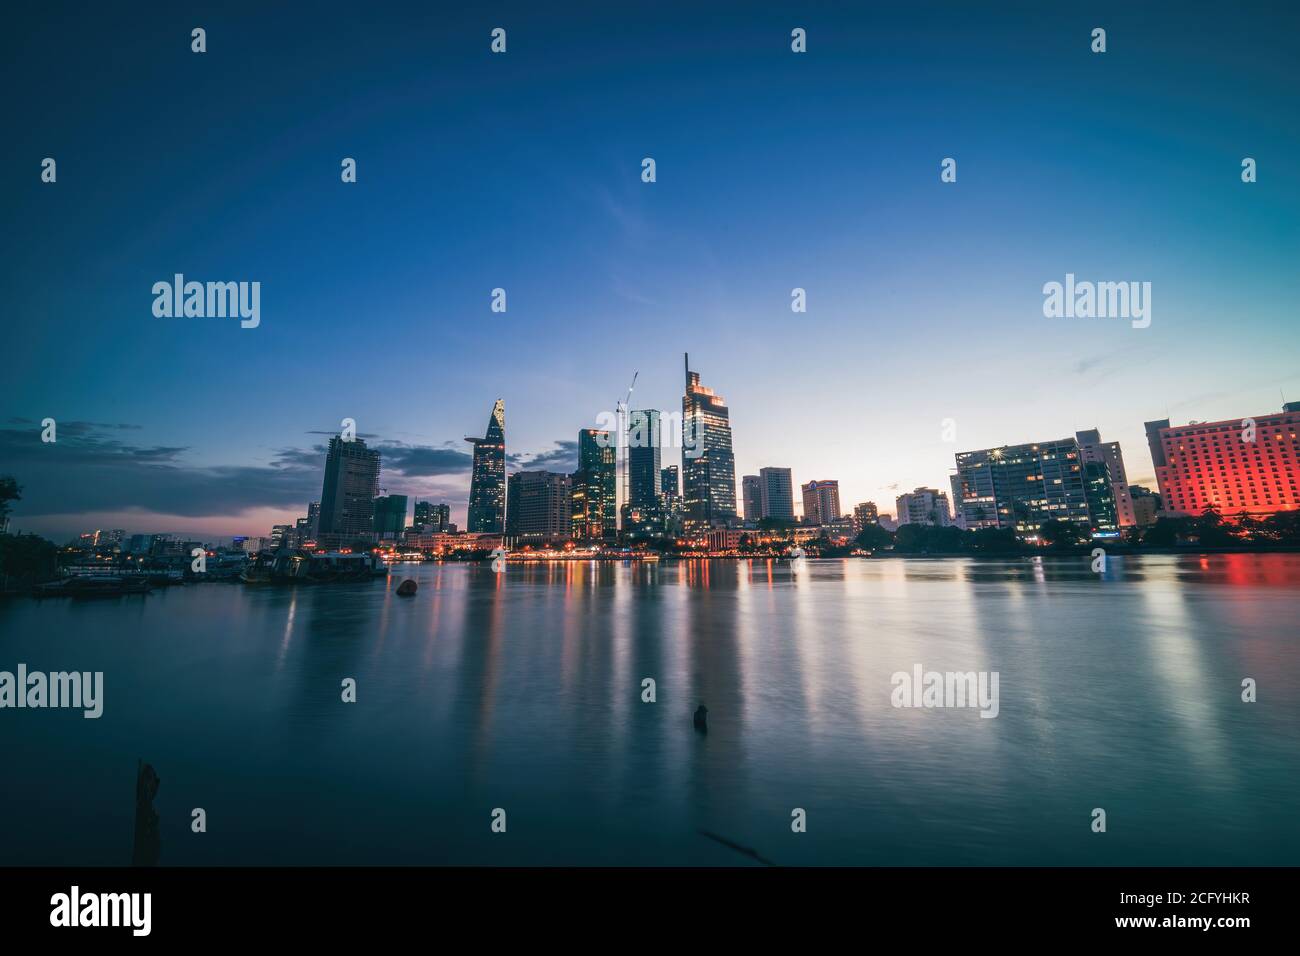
523	691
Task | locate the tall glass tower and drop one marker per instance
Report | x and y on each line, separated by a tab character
708	465
594	487
487	483
643	454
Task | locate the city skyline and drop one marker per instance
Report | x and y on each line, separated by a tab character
374	476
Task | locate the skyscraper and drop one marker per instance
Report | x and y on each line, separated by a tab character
776	486
864	514
752	496
431	517
668	481
643	453
708	465
487	484
538	507
821	501
594	487
1249	465
347	501
1093	449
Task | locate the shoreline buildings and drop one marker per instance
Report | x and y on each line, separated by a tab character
347	501
1249	465
927	506
776	490
821	501
1022	486
708	464
594	488
1095	450
538	508
487	485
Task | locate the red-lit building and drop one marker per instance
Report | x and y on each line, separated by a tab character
1250	464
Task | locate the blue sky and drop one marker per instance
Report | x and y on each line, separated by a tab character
522	171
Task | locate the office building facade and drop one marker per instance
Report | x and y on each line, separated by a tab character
538	508
1247	465
708	464
821	501
751	495
925	506
347	502
776	485
487	485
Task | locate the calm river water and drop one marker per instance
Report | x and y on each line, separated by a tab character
523	691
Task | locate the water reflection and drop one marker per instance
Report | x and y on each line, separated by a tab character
523	690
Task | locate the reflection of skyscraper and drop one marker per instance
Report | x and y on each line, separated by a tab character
708	465
347	501
644	478
487	484
594	487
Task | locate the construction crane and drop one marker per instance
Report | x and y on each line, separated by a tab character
621	494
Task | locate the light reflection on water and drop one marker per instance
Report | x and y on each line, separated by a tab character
523	691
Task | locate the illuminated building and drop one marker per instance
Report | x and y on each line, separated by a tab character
821	501
594	488
1022	486
1242	465
432	518
347	501
708	465
538	508
668	481
487	484
865	514
776	487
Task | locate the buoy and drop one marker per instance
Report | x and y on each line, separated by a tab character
406	588
702	718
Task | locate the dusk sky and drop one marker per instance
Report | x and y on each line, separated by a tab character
522	171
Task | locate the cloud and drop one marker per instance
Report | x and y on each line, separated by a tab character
563	457
91	470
